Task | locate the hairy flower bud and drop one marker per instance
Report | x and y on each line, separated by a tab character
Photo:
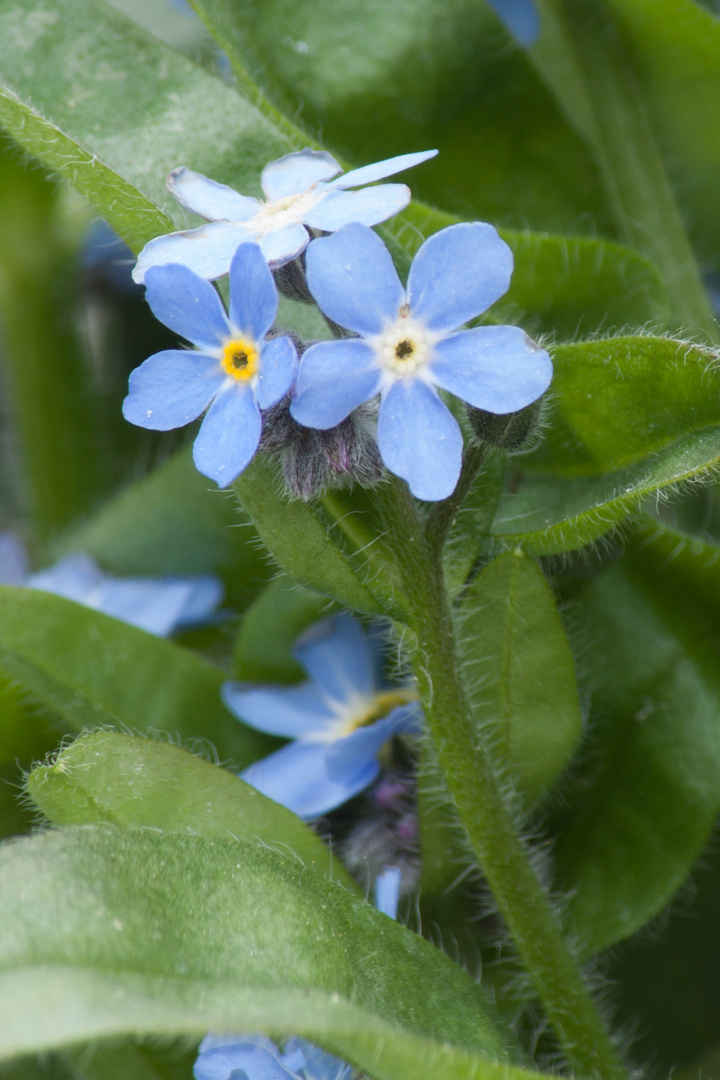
514	432
291	280
388	832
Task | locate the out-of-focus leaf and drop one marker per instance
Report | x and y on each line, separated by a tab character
173	521
269	629
157	934
95	670
643	807
521	673
107	778
618	401
550	514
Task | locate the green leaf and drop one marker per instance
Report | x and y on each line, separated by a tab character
313	546
644	806
107	778
95	670
618	401
270	628
546	515
66	73
126	923
173	522
519	665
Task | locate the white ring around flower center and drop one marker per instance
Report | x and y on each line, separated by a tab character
288	211
404	345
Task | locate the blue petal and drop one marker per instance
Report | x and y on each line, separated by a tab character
368	207
278	368
253	296
14	563
229	435
257	1062
296	777
290	711
419	439
457	274
295	173
208	199
76	577
335	653
283	244
334	378
207	251
353	279
521	17
204	594
241	1042
318	1064
172	388
154	606
345	756
387	891
368	174
188	304
497	368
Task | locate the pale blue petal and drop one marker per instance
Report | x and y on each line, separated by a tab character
333	379
257	1062
295	173
187	304
496	368
208	199
154	606
253	296
387	891
457	274
296	777
368	174
204	594
368	207
335	653
207	251
353	279
283	244
278	368
172	388
346	755
293	712
521	17
14	563
229	435
211	1042
419	439
318	1064
76	577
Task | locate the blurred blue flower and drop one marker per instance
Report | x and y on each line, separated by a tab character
521	18
338	720
387	890
236	370
407	347
253	1057
158	605
299	192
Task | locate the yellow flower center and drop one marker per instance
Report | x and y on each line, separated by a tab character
362	711
240	359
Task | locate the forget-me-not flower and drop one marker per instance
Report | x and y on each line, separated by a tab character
338	720
236	370
224	1057
299	190
409	346
158	605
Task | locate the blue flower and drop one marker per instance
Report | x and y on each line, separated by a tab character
521	18
158	605
339	721
235	371
407	348
387	890
222	1057
300	192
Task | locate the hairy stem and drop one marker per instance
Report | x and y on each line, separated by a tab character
480	802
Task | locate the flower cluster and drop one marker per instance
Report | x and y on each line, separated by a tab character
396	348
158	605
338	720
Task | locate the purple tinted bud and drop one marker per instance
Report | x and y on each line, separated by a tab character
387	834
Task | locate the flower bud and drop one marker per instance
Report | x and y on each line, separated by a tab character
387	834
291	280
513	432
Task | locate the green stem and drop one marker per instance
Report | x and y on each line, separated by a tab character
584	61
481	804
443	513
